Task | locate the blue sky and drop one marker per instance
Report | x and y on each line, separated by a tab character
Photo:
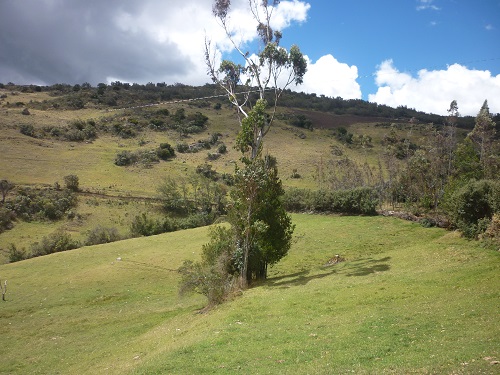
414	35
418	53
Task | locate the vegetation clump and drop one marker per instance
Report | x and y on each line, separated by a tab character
39	204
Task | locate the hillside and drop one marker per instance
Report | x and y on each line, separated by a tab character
405	300
42	147
48	133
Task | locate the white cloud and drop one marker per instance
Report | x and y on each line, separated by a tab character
327	76
432	91
131	41
426	4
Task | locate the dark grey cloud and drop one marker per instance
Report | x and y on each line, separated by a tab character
72	41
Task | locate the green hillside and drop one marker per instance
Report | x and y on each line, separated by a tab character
113	195
405	300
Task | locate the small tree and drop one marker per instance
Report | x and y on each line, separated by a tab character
5	188
261	230
273	68
72	182
483	136
3	288
450	143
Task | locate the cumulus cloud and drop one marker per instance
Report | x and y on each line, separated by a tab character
53	41
329	77
433	90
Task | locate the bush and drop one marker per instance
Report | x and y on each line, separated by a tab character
30	204
147	157
213	156
165	151
99	235
492	233
358	201
16	255
143	225
54	243
6	219
222	149
27	129
182	147
206	171
72	182
471	207
297	200
215	276
125	158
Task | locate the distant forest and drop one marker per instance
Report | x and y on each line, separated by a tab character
119	94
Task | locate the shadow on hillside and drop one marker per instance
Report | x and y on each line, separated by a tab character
364	267
360	267
295	279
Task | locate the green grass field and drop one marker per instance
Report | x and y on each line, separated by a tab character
406	300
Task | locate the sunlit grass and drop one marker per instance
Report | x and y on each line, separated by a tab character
406	300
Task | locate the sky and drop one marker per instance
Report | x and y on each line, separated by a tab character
416	53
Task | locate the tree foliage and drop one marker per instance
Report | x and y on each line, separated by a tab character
471	207
272	68
263	229
483	136
5	188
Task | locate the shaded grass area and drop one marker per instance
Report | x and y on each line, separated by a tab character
406	300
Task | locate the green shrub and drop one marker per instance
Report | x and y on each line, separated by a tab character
492	233
143	225
157	124
147	157
99	235
27	129
6	219
182	147
30	204
165	151
471	207
54	243
125	158
196	220
215	276
222	149
358	201
16	255
206	171
72	182
297	200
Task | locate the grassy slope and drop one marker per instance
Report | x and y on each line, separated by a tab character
407	300
28	161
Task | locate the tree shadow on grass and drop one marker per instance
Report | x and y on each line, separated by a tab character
295	279
364	267
360	267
